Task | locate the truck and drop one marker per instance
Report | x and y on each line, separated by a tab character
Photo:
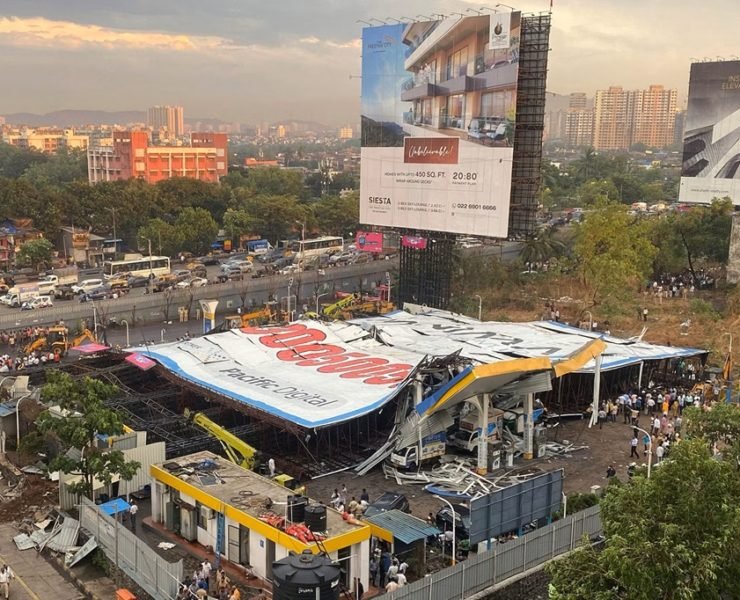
467	439
258	247
22	293
430	447
63	276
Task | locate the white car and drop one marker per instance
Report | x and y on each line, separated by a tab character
37	302
87	285
5	299
193	282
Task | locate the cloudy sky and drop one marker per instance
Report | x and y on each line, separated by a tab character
254	60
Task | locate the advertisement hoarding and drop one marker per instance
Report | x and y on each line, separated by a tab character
368	241
438	116
711	150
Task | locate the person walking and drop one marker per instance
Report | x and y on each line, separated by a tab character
133	509
602	417
633	447
6	574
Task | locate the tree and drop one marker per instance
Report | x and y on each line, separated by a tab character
35	253
86	417
541	247
163	237
196	230
338	215
276	217
673	536
719	427
237	223
613	252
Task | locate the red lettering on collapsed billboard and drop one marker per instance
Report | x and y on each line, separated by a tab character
304	347
436	150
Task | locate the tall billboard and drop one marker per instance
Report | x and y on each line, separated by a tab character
711	142
438	116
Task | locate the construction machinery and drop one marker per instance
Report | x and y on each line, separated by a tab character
356	305
57	341
238	451
269	313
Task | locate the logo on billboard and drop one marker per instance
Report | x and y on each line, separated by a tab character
436	150
305	347
412	241
369	241
500	31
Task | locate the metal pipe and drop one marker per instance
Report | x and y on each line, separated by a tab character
18	420
480	307
453	515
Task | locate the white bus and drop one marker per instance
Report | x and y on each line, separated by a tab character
137	266
306	249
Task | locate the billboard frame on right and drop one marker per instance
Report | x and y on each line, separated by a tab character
711	140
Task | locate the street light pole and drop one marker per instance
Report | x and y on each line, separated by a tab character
318	297
453	514
480	307
290	287
125	322
650	449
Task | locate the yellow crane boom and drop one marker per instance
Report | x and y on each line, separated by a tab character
237	450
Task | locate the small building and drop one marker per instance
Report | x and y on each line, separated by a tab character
205	498
80	246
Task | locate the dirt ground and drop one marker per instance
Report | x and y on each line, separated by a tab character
583	468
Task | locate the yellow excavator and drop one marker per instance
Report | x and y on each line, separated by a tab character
238	451
57	341
269	313
353	306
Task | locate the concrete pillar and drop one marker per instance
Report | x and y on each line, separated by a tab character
483	438
597	392
529	427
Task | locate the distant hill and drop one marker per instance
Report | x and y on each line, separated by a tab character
79	118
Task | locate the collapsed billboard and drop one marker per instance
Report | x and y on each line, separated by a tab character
711	150
438	116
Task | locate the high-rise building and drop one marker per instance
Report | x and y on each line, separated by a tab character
131	156
577	101
170	118
579	127
623	118
654	114
678	125
345	133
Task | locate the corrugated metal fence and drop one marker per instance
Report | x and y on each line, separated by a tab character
141	563
484	570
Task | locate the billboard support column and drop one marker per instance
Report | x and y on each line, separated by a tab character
597	392
528	427
209	314
482	467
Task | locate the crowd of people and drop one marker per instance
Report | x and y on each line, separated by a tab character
387	572
199	586
354	507
16	341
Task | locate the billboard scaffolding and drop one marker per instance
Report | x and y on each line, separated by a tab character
711	151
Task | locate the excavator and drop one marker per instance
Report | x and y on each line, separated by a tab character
57	341
355	305
238	451
269	313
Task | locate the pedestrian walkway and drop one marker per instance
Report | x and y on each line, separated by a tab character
35	578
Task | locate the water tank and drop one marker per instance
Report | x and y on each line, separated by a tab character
297	508
315	517
299	576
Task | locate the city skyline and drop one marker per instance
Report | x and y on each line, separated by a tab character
244	61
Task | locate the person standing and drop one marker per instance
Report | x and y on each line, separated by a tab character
633	447
133	509
602	417
206	569
271	467
6	574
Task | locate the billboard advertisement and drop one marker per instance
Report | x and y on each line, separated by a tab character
711	141
369	241
438	116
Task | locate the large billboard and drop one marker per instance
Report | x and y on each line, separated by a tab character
711	150
438	115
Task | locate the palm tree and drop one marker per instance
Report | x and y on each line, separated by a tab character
541	247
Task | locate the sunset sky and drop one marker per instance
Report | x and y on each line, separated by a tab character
251	60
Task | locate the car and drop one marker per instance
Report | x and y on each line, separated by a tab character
198	271
5	300
136	281
102	292
388	501
290	269
443	520
118	282
64	292
208	260
246	266
282	262
341	257
37	302
192	282
361	258
182	275
86	285
234	273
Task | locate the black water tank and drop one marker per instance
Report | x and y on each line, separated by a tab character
316	517
298	576
297	508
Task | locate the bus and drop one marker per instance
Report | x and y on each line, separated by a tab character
137	265
306	249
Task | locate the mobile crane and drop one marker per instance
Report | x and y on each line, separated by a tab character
269	313
238	451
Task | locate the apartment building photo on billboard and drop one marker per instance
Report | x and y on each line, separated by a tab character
438	119
711	142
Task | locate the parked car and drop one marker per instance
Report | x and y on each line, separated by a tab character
192	282
234	273
37	302
87	285
136	281
388	501
208	260
341	258
443	520
182	275
102	292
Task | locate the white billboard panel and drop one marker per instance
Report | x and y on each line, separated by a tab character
711	151
438	116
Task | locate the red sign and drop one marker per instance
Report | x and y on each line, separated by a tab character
412	241
367	241
304	347
435	150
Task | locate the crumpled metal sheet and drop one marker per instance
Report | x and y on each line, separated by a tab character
66	538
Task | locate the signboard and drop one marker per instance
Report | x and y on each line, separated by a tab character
511	508
302	372
367	241
209	314
438	116
80	241
413	241
711	150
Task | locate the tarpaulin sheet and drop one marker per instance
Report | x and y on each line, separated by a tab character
90	348
304	372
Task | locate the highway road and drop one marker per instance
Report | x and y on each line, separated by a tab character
138	308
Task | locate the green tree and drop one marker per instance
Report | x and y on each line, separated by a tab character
671	537
541	247
63	167
596	192
162	236
337	215
719	427
86	417
275	182
277	217
35	253
196	230
613	252
237	223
